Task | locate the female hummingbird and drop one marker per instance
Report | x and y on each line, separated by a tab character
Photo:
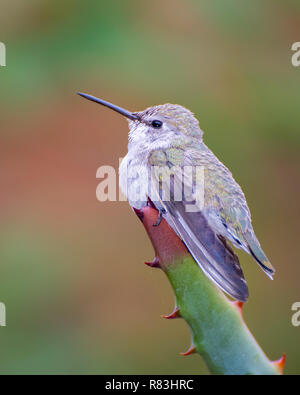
169	137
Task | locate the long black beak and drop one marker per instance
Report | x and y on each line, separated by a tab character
120	110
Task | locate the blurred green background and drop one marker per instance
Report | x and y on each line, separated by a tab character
78	297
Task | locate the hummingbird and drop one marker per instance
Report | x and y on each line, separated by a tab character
169	137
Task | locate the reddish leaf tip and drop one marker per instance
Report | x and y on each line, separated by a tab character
175	314
280	363
239	305
154	263
190	351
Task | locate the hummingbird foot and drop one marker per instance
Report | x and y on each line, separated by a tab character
161	212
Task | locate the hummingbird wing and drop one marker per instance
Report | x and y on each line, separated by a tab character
210	250
227	211
226	207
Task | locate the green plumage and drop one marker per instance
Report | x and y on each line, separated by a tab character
164	141
168	139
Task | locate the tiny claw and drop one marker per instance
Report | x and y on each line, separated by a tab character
139	213
175	314
279	364
159	217
150	203
239	305
190	351
154	264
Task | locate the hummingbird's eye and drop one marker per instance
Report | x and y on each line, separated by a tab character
157	124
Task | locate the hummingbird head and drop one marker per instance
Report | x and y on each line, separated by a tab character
160	125
166	119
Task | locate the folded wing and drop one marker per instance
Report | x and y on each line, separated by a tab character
210	251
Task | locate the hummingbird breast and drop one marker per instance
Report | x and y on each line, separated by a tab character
134	179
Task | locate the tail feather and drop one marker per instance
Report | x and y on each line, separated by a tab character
216	260
258	254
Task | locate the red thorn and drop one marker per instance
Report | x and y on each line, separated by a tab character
175	314
190	351
155	263
279	364
239	305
